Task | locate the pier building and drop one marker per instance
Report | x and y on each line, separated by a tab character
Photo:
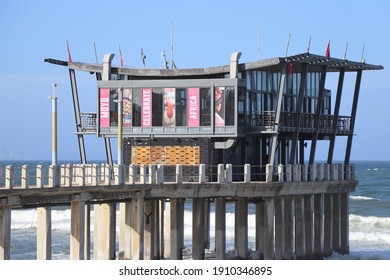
243	133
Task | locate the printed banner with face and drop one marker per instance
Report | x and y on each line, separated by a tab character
193	107
169	107
147	107
104	104
127	107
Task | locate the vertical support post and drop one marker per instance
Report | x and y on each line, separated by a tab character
247	173
220	228
344	224
167	229
124	230
24	178
5	230
269	213
229	173
39	176
336	116
336	222
77	229
241	221
197	229
274	141
328	217
269	173
137	228
177	230
309	224
179	173
299	227
279	228
288	227
301	94
260	230
44	233
202	173
353	116
9	176
149	230
318	225
104	237
120	136
318	114
221	173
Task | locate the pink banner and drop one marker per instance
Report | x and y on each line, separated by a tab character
104	107
146	107
193	107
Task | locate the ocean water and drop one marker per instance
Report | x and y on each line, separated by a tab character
369	222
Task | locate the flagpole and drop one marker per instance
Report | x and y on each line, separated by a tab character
345	53
288	43
308	45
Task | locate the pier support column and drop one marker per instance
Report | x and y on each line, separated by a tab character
104	231
151	241
279	228
309	225
77	222
318	226
5	231
198	234
328	217
137	228
260	229
299	228
269	213
124	230
336	223
44	233
288	227
344	216
177	228
242	227
220	228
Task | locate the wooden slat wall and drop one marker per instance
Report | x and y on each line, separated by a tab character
168	155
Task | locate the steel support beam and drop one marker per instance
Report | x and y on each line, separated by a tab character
336	115
274	139
318	114
76	106
353	116
302	87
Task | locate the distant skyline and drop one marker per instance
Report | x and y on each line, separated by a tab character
205	33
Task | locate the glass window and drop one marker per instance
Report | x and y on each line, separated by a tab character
219	104
229	105
169	107
181	107
137	105
157	107
205	107
114	107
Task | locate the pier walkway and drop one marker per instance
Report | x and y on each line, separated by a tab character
301	211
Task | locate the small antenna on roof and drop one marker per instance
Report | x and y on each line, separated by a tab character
308	45
258	43
288	43
173	65
345	52
96	57
363	60
143	57
164	57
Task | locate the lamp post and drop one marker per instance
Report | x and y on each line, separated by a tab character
54	98
120	136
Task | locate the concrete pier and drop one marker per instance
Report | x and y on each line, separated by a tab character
298	216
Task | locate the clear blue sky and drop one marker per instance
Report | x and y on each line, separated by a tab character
205	34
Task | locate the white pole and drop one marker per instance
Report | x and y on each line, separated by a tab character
53	98
120	137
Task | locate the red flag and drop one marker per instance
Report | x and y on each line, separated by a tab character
67	47
121	57
327	51
290	69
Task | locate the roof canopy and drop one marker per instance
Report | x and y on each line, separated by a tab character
315	63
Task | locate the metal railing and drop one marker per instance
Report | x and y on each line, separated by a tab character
78	175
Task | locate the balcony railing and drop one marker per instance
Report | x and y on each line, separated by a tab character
289	122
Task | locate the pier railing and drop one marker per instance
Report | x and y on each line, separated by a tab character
73	175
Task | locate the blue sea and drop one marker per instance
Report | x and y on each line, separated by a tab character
369	221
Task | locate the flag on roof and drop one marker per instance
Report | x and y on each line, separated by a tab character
69	56
327	51
121	57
